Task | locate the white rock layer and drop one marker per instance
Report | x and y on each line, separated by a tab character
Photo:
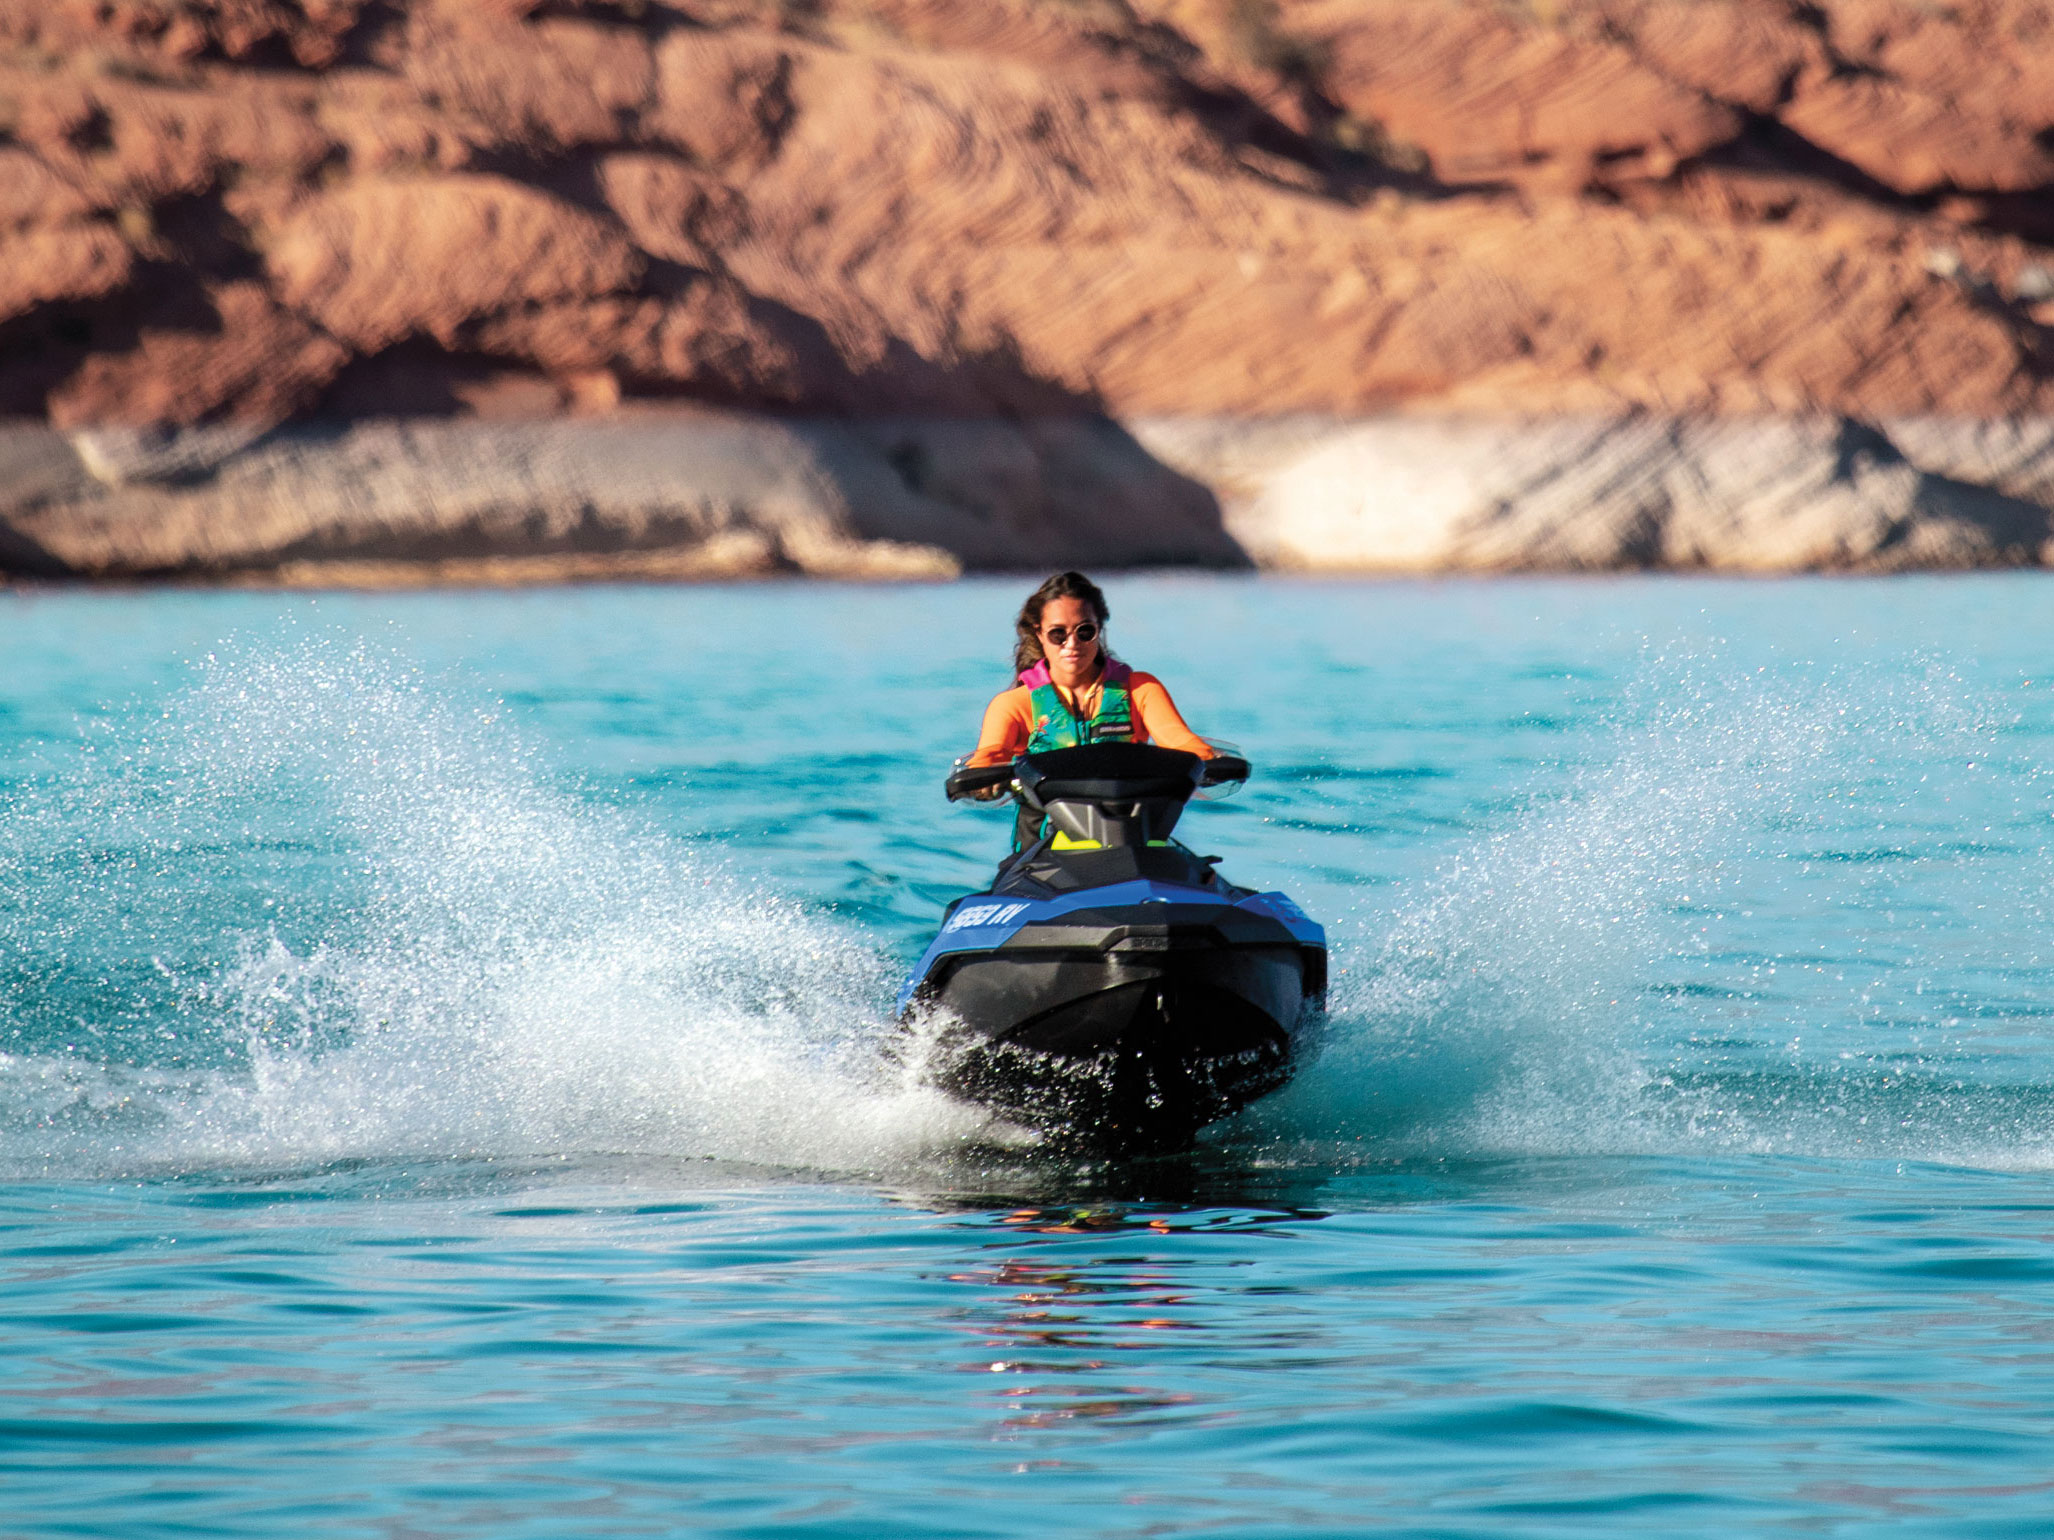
1778	494
631	495
717	494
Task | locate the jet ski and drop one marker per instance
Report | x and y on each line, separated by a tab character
1111	988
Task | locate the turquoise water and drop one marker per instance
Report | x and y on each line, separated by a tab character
441	1090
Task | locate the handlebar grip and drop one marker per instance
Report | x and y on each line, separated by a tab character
975	778
1224	767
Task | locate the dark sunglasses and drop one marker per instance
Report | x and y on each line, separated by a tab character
1062	634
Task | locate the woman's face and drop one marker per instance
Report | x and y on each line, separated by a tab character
1062	617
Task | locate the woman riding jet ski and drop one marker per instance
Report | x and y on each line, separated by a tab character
1110	987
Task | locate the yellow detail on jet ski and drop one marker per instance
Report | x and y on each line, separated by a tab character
1063	841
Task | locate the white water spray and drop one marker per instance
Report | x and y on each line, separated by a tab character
1589	979
501	970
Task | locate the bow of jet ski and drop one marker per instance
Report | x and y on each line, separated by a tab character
1110	987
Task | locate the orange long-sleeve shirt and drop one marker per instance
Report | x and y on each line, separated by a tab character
1009	722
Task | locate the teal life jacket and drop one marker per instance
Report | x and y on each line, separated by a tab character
1057	727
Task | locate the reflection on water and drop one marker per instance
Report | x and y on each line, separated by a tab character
1073	1338
1232	1182
1042	1325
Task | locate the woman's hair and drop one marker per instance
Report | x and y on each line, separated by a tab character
1064	585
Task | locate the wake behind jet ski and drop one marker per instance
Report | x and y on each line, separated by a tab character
1110	987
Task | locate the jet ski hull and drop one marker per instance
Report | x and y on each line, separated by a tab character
1122	1024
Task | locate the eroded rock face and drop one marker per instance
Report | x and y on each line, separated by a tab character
1744	495
243	352
707	494
634	495
39	267
352	260
1191	207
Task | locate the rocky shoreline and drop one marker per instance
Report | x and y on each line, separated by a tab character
712	496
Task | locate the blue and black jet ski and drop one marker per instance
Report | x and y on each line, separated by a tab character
1111	988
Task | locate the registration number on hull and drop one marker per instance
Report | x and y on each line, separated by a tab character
983	914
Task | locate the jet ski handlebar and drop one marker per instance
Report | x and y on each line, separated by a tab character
968	780
1104	770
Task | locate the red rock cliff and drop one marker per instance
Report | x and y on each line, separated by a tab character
262	209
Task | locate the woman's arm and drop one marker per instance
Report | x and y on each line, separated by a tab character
1160	719
1005	729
